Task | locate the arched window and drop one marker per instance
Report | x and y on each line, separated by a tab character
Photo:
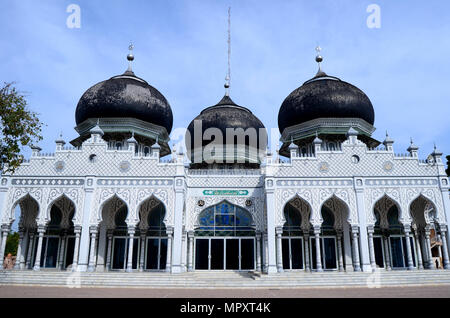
146	151
119	146
225	219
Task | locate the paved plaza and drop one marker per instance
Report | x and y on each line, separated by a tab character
441	291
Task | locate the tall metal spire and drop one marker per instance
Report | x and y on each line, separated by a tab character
319	59
130	57
228	77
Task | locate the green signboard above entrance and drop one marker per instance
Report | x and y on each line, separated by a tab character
225	192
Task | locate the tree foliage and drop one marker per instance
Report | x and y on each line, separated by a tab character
19	127
12	243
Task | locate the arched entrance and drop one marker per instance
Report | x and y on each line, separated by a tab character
294	252
429	236
225	239
393	249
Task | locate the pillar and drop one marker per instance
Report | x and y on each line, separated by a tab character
62	250
142	254
266	253
356	265
93	231
279	231
271	211
431	264
339	250
131	231
184	251
76	250
387	251
37	262
444	246
318	251
407	229
30	248
418	248
5	231
258	251
306	244
347	248
169	232
101	245
177	231
83	252
370	231
109	235
363	242
20	248
190	250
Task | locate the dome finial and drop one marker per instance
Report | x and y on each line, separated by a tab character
130	56
228	77
319	60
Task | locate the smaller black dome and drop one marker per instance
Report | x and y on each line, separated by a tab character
123	96
324	97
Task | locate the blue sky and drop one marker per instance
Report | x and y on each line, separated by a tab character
180	48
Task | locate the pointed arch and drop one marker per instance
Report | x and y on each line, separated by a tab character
383	205
26	202
109	208
146	207
304	209
65	205
339	208
422	210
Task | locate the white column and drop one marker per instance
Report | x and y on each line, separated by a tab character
339	250
356	265
20	249
407	229
102	239
184	251
387	251
279	231
318	251
62	250
93	231
347	248
306	244
131	231
37	262
431	264
271	253
266	253
258	251
444	246
5	232
109	250
176	249
142	254
83	257
418	248
444	185
190	250
370	231
363	245
30	249
76	250
169	232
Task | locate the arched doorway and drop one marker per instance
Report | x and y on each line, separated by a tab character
295	235
154	239
392	247
430	238
225	239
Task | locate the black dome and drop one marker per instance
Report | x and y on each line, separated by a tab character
324	97
225	114
125	96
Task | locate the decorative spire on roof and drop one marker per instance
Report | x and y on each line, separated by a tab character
228	76
319	59
130	58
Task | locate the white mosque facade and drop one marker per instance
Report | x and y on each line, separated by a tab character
332	198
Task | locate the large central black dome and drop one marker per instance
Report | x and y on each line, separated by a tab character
324	97
125	96
223	115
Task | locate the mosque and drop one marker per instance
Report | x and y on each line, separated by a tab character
331	198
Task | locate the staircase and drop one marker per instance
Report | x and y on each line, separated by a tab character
225	279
